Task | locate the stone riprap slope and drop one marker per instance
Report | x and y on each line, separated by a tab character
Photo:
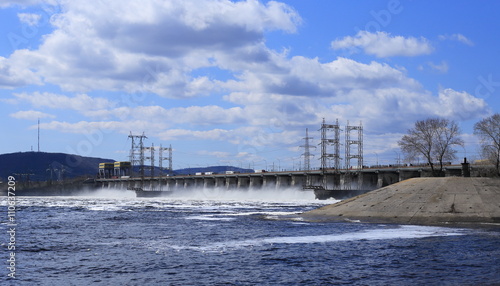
421	201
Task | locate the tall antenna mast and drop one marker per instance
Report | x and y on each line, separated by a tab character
38	134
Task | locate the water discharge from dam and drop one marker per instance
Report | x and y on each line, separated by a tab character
218	194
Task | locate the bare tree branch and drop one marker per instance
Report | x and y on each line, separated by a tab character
433	138
488	131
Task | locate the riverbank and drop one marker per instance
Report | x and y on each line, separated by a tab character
425	201
68	187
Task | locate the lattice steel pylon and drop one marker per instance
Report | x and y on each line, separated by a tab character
137	153
150	158
307	152
325	156
349	155
359	142
163	158
336	144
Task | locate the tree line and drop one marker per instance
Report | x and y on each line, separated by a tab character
435	138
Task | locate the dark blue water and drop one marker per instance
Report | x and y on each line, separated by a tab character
232	239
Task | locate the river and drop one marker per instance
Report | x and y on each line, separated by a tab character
220	237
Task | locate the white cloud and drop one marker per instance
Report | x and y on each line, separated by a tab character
268	119
26	3
457	37
460	105
16	74
80	102
184	134
81	127
123	127
440	68
302	76
31	115
194	115
151	46
383	44
29	19
217	154
153	119
247	139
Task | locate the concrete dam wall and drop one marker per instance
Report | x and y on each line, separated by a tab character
365	179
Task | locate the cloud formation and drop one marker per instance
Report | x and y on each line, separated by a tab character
208	74
151	46
31	115
79	102
29	19
383	44
457	37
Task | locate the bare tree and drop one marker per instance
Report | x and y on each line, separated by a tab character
432	138
488	130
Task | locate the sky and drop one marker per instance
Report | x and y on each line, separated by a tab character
239	82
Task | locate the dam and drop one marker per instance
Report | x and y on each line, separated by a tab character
348	182
327	181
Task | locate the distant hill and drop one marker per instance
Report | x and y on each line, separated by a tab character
44	165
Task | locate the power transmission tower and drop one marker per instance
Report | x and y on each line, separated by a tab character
167	158
325	156
163	158
307	153
150	158
359	142
349	155
137	152
336	144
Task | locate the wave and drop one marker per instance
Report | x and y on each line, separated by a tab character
401	232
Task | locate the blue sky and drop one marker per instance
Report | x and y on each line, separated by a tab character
237	83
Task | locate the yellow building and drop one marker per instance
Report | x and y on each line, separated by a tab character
106	170
122	168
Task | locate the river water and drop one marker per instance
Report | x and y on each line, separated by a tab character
217	237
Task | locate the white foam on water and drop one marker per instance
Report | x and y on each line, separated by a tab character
102	207
209	217
200	199
267	213
255	195
402	232
105	193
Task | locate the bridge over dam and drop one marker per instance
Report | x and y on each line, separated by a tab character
350	181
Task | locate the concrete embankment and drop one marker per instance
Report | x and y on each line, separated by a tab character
426	201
